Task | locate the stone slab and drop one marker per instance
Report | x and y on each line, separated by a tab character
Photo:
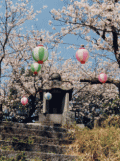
42	156
34	126
35	139
35	132
33	147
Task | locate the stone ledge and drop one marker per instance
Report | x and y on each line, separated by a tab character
33	147
33	155
37	139
35	132
33	126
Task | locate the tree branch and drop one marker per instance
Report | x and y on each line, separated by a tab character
96	81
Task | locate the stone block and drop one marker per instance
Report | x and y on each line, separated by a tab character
42	117
55	118
81	126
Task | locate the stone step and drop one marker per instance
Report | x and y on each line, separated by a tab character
39	155
32	147
34	126
34	139
35	132
47	123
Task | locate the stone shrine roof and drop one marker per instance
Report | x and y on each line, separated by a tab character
55	76
55	81
63	85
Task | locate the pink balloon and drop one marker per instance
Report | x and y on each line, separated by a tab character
102	77
82	55
24	100
77	57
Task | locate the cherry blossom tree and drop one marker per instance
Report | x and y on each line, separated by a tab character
97	22
70	71
80	20
29	85
13	16
99	17
24	82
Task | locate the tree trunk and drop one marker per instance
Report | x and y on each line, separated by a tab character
0	89
119	89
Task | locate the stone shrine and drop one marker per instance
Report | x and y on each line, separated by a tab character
55	110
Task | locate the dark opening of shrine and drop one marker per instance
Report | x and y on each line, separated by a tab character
55	104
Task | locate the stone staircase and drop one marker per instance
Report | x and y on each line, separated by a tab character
46	143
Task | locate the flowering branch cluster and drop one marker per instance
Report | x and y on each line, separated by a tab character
100	17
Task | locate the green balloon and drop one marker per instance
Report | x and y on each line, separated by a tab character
35	67
40	53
